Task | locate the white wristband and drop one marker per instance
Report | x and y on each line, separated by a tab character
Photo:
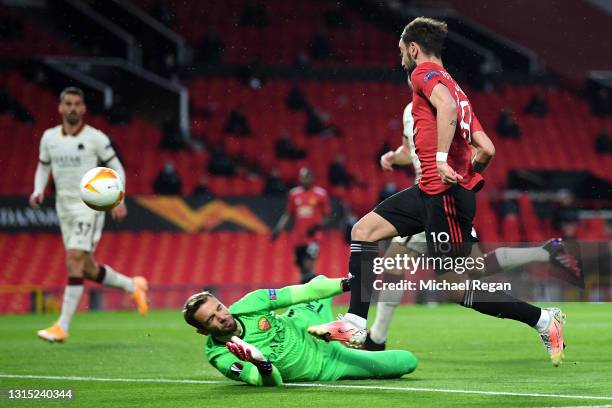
441	156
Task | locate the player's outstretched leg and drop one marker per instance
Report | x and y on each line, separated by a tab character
548	322
351	328
553	251
109	277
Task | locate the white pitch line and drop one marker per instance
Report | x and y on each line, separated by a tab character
311	385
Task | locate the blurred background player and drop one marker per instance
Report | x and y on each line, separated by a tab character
308	206
501	259
68	151
248	342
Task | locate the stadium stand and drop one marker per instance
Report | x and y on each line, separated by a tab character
367	112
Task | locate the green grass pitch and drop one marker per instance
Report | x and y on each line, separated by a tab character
458	350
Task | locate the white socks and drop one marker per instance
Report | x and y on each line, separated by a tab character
114	279
72	296
358	321
510	258
384	314
387	303
543	321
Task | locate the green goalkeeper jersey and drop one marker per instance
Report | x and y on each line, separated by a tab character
282	338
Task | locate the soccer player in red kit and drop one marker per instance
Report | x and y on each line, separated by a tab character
443	204
308	206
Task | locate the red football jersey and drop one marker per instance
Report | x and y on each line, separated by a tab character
424	78
308	208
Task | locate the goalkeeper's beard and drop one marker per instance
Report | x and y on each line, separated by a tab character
233	329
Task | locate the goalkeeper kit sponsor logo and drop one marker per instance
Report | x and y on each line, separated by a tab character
263	324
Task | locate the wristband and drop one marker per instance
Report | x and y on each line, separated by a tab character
264	367
441	156
345	284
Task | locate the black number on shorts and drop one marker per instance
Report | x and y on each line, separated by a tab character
83	228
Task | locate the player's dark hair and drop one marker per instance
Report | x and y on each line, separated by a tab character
72	90
428	33
191	307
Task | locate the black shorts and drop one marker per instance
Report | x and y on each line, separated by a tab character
309	251
447	218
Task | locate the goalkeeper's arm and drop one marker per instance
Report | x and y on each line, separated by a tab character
272	299
246	363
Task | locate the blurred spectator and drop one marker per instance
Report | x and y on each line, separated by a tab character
252	74
603	143
565	215
172	138
320	46
506	126
285	149
387	191
10	28
220	163
163	12
211	47
201	190
335	17
274	184
296	99
11	106
118	114
254	15
508	207
338	174
301	59
316	124
601	102
237	123
537	106
168	182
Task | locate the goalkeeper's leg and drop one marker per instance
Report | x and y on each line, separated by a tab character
346	363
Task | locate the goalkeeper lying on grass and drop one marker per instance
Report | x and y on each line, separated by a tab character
249	342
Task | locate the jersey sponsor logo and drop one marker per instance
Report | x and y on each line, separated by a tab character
430	75
66	161
272	294
263	324
236	369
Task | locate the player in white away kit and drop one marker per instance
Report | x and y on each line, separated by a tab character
502	259
69	151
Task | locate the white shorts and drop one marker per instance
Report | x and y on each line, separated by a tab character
418	242
82	230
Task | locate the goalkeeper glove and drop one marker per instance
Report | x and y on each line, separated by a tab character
247	352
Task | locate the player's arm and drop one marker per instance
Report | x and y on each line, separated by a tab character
284	219
256	374
485	151
398	157
108	157
280	225
41	177
272	299
446	124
